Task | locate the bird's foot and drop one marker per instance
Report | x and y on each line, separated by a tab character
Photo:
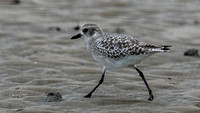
88	96
150	97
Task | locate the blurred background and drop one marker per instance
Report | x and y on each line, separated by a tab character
43	71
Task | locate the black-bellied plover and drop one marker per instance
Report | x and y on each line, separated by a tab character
116	51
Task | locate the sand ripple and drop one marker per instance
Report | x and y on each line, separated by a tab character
37	57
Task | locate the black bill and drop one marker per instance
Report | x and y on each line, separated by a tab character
77	36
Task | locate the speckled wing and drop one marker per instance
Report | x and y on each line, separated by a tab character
120	45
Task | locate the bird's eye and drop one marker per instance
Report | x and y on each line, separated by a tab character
85	30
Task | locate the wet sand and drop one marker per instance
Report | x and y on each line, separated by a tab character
37	57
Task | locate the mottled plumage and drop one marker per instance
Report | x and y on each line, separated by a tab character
117	50
119	45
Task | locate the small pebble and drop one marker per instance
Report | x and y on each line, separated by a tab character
58	29
55	28
191	52
53	97
76	28
16	1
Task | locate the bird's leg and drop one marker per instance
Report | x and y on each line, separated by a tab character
100	82
143	78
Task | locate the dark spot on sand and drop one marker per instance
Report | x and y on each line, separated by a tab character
58	28
35	52
77	27
17	88
55	28
53	97
191	52
16	1
119	30
196	22
169	78
18	110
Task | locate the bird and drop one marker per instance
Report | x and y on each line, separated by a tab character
116	51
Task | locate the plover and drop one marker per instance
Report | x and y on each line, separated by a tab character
114	51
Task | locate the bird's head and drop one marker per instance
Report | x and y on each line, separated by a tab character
89	31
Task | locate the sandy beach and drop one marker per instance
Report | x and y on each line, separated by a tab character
38	58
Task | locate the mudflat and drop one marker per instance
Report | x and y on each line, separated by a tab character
38	58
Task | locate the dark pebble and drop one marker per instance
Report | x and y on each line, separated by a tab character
58	29
76	28
191	52
53	97
55	28
196	22
17	88
16	1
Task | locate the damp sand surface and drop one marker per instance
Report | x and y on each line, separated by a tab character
37	57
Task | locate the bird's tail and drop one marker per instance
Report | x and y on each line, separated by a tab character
165	48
